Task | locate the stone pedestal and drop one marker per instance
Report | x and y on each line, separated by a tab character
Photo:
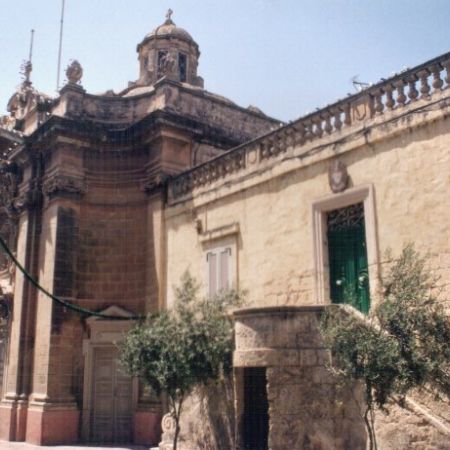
306	407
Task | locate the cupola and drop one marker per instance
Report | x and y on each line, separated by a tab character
168	51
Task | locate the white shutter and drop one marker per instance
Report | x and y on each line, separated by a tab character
211	259
225	269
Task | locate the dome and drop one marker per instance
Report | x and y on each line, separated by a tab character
169	30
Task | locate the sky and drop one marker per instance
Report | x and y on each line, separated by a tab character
287	57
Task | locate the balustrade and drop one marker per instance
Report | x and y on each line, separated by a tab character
388	95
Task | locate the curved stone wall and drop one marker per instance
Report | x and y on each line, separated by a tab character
307	409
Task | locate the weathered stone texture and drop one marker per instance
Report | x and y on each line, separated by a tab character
403	429
307	407
272	202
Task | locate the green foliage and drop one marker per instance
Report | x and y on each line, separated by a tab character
184	346
402	345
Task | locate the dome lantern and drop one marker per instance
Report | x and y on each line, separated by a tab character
168	51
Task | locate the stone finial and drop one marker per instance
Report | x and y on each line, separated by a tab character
74	72
25	71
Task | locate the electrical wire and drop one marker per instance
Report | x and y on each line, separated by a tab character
65	303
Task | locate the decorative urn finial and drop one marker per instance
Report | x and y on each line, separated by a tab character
25	71
74	72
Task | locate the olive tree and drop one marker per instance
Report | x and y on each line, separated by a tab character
183	346
403	344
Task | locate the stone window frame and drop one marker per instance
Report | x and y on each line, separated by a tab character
364	194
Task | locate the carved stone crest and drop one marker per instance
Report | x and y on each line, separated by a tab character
338	176
74	72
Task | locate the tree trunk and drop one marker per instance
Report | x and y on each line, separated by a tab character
176	415
369	431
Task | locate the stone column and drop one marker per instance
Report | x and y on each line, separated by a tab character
53	413
13	407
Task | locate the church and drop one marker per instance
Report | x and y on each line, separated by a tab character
106	200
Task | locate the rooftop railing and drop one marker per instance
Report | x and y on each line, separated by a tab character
390	94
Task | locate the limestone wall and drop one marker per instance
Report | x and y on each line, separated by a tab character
405	163
307	408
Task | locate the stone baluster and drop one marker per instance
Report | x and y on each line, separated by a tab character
300	134
437	82
446	65
337	119
378	97
328	127
262	150
401	97
424	86
290	136
347	115
270	147
309	136
412	91
388	89
317	121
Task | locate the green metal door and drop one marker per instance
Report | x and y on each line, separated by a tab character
349	280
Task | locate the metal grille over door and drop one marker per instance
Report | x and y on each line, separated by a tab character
349	277
112	399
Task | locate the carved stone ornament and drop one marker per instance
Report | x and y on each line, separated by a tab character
63	184
8	185
338	176
74	72
5	306
167	65
155	181
168	427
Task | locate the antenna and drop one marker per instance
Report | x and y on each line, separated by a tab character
60	44
31	46
359	85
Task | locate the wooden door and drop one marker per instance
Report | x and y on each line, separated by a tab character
349	280
112	405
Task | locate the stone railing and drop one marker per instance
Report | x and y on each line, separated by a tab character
387	95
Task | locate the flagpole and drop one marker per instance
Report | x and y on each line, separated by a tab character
60	44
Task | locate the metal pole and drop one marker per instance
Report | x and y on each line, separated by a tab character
31	46
60	44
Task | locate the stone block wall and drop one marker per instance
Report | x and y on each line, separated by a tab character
307	407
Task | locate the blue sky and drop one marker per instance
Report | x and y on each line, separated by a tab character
285	56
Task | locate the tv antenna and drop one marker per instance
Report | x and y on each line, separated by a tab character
359	85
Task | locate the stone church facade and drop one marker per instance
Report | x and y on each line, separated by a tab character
108	199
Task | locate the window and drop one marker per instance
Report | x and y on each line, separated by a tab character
219	269
162	56
182	66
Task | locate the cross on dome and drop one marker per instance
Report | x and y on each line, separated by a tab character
169	16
